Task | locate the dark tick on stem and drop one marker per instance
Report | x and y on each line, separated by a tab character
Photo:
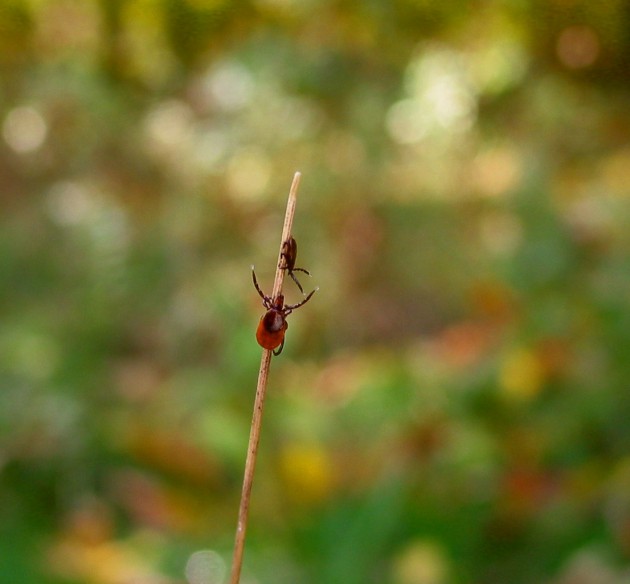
273	324
289	254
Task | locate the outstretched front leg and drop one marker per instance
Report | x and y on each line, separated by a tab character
266	299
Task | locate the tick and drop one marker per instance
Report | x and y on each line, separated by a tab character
289	253
273	324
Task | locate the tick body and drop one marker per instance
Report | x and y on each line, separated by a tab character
289	254
273	324
271	328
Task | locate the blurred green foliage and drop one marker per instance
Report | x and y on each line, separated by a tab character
453	404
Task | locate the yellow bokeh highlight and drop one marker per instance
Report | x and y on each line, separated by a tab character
615	173
521	375
422	562
307	472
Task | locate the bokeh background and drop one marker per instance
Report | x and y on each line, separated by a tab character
452	406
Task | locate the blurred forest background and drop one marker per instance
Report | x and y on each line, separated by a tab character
452	406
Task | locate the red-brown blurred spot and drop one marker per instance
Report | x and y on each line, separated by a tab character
463	344
577	46
90	522
151	503
493	300
426	439
338	381
553	355
525	490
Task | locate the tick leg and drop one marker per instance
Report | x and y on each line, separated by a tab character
266	300
279	350
294	278
256	284
296	281
288	308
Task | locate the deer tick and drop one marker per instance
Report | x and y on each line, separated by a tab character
273	324
289	254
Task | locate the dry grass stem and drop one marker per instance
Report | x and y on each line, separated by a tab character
261	388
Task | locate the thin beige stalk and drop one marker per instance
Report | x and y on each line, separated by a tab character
261	388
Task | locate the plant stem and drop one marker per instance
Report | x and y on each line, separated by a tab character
261	389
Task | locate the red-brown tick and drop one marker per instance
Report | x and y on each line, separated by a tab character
289	254
273	324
